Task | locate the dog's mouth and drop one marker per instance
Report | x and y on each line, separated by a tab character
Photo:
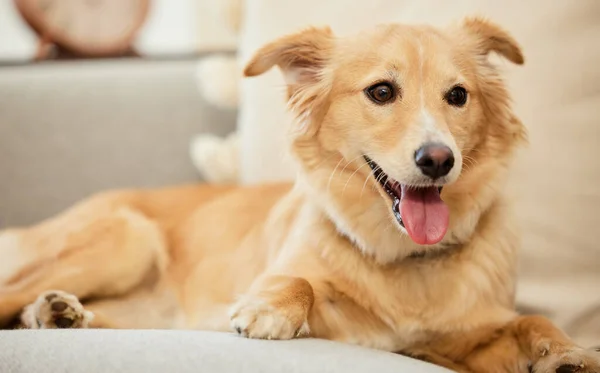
419	210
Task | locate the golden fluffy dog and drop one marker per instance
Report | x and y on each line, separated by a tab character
396	234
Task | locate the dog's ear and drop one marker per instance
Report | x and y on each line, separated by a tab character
490	37
300	56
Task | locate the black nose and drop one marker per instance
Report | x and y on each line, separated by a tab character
434	160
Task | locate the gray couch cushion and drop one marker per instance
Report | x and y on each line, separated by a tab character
69	129
148	351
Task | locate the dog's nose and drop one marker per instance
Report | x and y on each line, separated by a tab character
434	160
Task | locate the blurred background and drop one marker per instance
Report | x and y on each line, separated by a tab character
98	94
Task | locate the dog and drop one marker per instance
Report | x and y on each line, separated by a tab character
396	234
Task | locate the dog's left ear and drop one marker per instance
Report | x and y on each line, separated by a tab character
300	56
491	37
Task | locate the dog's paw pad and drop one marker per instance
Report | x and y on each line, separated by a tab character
569	368
56	310
50	296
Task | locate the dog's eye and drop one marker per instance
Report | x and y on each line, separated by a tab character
381	93
457	96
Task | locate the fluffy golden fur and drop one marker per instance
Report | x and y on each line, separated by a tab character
326	256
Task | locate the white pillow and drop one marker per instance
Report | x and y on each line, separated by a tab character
557	97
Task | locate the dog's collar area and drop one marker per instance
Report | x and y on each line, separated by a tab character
436	253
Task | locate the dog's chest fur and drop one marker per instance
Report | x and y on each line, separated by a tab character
397	305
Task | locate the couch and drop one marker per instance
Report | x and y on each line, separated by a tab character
58	143
71	129
159	351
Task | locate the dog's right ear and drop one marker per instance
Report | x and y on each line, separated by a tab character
300	56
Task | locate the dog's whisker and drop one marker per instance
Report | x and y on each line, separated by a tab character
351	176
349	162
469	162
332	174
318	165
373	186
364	184
381	175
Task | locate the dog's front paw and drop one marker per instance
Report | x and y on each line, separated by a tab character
568	360
256	318
56	309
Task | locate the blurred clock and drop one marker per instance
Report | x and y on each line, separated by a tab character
85	28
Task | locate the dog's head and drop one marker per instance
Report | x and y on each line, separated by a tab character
403	113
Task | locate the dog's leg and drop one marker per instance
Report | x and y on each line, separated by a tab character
433	358
550	350
276	307
533	344
56	309
526	344
91	251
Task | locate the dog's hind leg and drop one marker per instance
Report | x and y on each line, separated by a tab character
146	307
532	344
100	248
528	344
55	309
433	358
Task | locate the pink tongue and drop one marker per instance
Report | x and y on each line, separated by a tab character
424	214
